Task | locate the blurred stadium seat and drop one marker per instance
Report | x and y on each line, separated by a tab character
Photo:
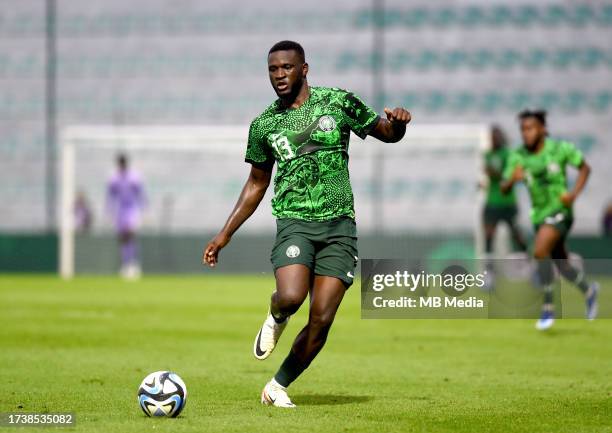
145	64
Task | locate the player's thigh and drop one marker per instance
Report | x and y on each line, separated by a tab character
489	220
559	251
489	228
293	283
514	228
326	296
546	239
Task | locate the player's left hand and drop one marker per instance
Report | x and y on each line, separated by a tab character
210	256
568	198
398	115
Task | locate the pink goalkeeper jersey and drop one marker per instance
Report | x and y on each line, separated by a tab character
125	199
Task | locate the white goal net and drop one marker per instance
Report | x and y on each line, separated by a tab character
424	185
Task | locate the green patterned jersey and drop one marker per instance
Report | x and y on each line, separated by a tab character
310	146
496	160
545	176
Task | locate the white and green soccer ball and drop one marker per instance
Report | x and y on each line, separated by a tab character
162	393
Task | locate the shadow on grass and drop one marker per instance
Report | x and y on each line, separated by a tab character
561	329
329	399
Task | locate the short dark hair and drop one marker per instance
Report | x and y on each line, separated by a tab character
287	46
122	159
537	114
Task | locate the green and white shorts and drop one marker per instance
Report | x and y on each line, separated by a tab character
328	247
560	220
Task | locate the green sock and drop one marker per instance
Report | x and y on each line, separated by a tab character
545	271
548	295
290	369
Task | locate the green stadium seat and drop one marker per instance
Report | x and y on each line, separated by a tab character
519	100
525	16
443	17
582	15
602	101
490	102
555	14
499	15
535	58
472	16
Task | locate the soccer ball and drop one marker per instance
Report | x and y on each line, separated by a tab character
162	393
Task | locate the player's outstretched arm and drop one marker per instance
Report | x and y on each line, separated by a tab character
252	193
393	128
584	171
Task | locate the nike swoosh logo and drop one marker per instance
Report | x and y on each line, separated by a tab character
267	397
348	274
258	351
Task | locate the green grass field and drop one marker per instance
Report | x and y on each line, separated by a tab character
85	345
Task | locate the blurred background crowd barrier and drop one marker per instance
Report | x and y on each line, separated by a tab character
192	63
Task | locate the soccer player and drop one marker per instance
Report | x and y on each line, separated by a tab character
83	216
606	221
306	132
125	201
499	207
541	163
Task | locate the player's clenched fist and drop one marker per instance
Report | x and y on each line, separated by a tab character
211	252
398	115
568	198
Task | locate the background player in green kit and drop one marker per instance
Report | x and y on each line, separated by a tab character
499	207
541	163
306	132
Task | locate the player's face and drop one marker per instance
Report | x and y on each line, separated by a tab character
497	138
532	132
287	72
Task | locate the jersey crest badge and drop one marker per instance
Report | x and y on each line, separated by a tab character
553	167
327	123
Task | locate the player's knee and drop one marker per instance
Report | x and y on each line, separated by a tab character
541	252
320	322
289	301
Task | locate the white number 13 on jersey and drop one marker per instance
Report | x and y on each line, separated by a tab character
282	147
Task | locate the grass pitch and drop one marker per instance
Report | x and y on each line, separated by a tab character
85	345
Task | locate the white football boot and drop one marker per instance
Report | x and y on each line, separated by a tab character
268	335
546	320
274	394
591	301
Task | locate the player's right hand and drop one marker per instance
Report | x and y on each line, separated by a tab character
518	174
211	252
398	115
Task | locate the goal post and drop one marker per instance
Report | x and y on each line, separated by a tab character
88	143
192	175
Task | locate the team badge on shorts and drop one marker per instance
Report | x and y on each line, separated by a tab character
293	251
327	123
554	219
